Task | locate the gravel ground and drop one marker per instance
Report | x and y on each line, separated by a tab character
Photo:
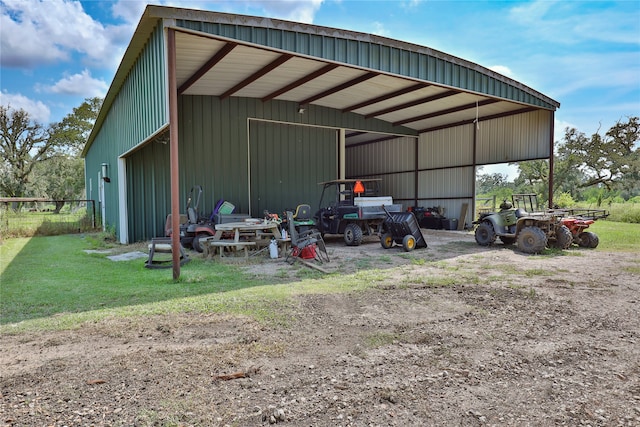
454	334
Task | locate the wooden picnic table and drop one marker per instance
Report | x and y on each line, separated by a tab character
251	232
249	229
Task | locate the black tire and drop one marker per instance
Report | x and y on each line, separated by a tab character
532	240
386	240
352	234
485	235
409	243
195	244
507	240
588	240
564	238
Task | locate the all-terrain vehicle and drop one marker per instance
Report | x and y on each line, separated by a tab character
531	231
578	220
353	208
194	227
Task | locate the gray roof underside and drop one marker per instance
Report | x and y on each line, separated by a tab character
210	64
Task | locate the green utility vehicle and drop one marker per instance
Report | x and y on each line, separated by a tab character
531	231
353	208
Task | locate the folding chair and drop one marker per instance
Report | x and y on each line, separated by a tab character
305	244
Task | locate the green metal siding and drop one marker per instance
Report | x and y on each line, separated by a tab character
148	191
372	55
289	154
287	163
136	113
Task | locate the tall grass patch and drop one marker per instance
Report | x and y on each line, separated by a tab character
624	212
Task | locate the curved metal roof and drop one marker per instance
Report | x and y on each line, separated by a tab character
217	66
210	64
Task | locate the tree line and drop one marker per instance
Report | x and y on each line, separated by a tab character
594	169
44	161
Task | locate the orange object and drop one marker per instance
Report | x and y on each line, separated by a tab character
358	187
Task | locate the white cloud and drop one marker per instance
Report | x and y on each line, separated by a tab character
295	10
34	33
79	84
292	10
575	22
37	110
502	69
559	128
575	72
129	11
379	29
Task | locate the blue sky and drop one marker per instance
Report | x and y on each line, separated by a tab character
584	54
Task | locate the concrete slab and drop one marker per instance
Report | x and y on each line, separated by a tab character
128	256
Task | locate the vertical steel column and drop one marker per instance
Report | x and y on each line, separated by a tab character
416	166
342	153
473	179
173	153
551	162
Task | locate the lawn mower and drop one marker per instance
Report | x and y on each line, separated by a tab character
195	227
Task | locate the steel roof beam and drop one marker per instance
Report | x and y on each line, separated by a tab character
447	111
224	51
300	82
381	139
412	103
331	91
480	119
386	97
255	76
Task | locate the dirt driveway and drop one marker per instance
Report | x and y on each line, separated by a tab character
454	334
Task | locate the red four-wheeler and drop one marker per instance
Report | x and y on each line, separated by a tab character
578	220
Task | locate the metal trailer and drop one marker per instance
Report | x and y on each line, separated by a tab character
402	228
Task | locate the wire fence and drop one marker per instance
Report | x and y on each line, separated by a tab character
25	217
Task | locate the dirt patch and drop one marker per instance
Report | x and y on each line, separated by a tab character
454	334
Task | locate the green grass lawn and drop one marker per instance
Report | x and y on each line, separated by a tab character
617	236
51	282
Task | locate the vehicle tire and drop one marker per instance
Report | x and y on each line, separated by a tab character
564	238
386	240
588	239
408	243
507	240
195	244
485	235
532	240
352	234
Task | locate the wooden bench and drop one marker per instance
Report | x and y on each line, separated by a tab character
285	244
162	245
221	245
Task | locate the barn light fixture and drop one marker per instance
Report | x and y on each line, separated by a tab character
301	110
105	172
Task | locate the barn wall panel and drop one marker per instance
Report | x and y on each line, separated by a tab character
446	147
136	113
513	138
383	157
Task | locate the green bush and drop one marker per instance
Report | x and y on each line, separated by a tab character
564	200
